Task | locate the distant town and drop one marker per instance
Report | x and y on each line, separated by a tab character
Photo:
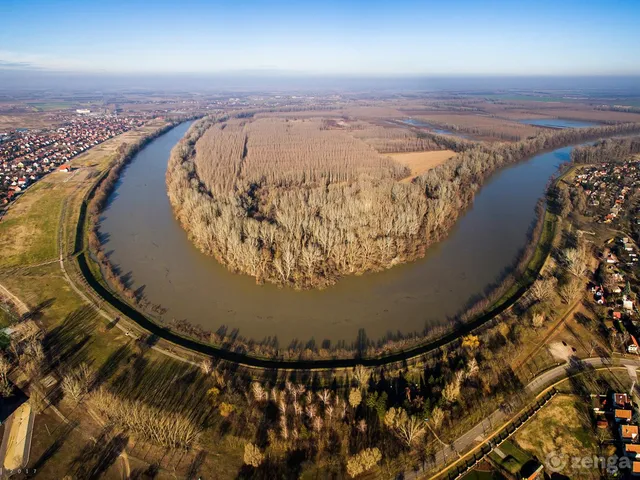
27	155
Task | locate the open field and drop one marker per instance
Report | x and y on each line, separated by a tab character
420	162
518	110
481	126
25	120
563	426
28	231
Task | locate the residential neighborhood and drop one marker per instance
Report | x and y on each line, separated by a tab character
614	413
607	187
27	155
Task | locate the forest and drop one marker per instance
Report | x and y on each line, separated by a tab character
608	150
296	204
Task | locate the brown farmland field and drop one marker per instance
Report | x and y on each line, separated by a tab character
420	162
481	126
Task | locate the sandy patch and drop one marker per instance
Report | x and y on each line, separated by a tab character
420	162
560	352
14	458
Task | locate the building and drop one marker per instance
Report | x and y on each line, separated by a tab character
632	450
622	416
628	433
621	400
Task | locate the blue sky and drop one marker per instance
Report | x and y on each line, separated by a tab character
402	37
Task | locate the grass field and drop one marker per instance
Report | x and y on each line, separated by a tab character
420	162
28	231
562	426
47	106
29	235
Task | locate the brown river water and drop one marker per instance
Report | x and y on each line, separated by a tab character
147	244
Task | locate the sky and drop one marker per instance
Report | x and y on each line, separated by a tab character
323	37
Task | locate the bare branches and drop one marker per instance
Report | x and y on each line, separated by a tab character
543	289
165	428
5	386
252	455
576	260
75	384
363	461
406	428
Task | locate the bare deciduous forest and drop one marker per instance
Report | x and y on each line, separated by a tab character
300	203
613	149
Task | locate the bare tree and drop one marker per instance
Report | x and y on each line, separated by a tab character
324	396
363	461
537	320
206	366
543	289
451	391
570	290
576	260
5	385
406	428
76	383
437	416
258	392
160	426
252	455
361	374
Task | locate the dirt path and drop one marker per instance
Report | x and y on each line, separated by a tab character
20	306
550	332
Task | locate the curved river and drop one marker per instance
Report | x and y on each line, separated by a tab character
148	245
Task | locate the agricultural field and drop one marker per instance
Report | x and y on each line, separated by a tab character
421	162
481	126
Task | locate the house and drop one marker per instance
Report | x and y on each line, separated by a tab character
631	450
64	168
621	400
617	315
633	346
628	433
22	330
623	416
635	469
627	304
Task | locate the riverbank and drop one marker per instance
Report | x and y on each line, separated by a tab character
350	317
201	346
47	292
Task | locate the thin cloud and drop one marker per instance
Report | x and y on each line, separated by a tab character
11	65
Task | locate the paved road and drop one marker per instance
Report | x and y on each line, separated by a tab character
497	418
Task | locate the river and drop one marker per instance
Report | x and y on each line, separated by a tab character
147	244
559	123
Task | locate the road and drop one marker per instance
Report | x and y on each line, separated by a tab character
496	420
